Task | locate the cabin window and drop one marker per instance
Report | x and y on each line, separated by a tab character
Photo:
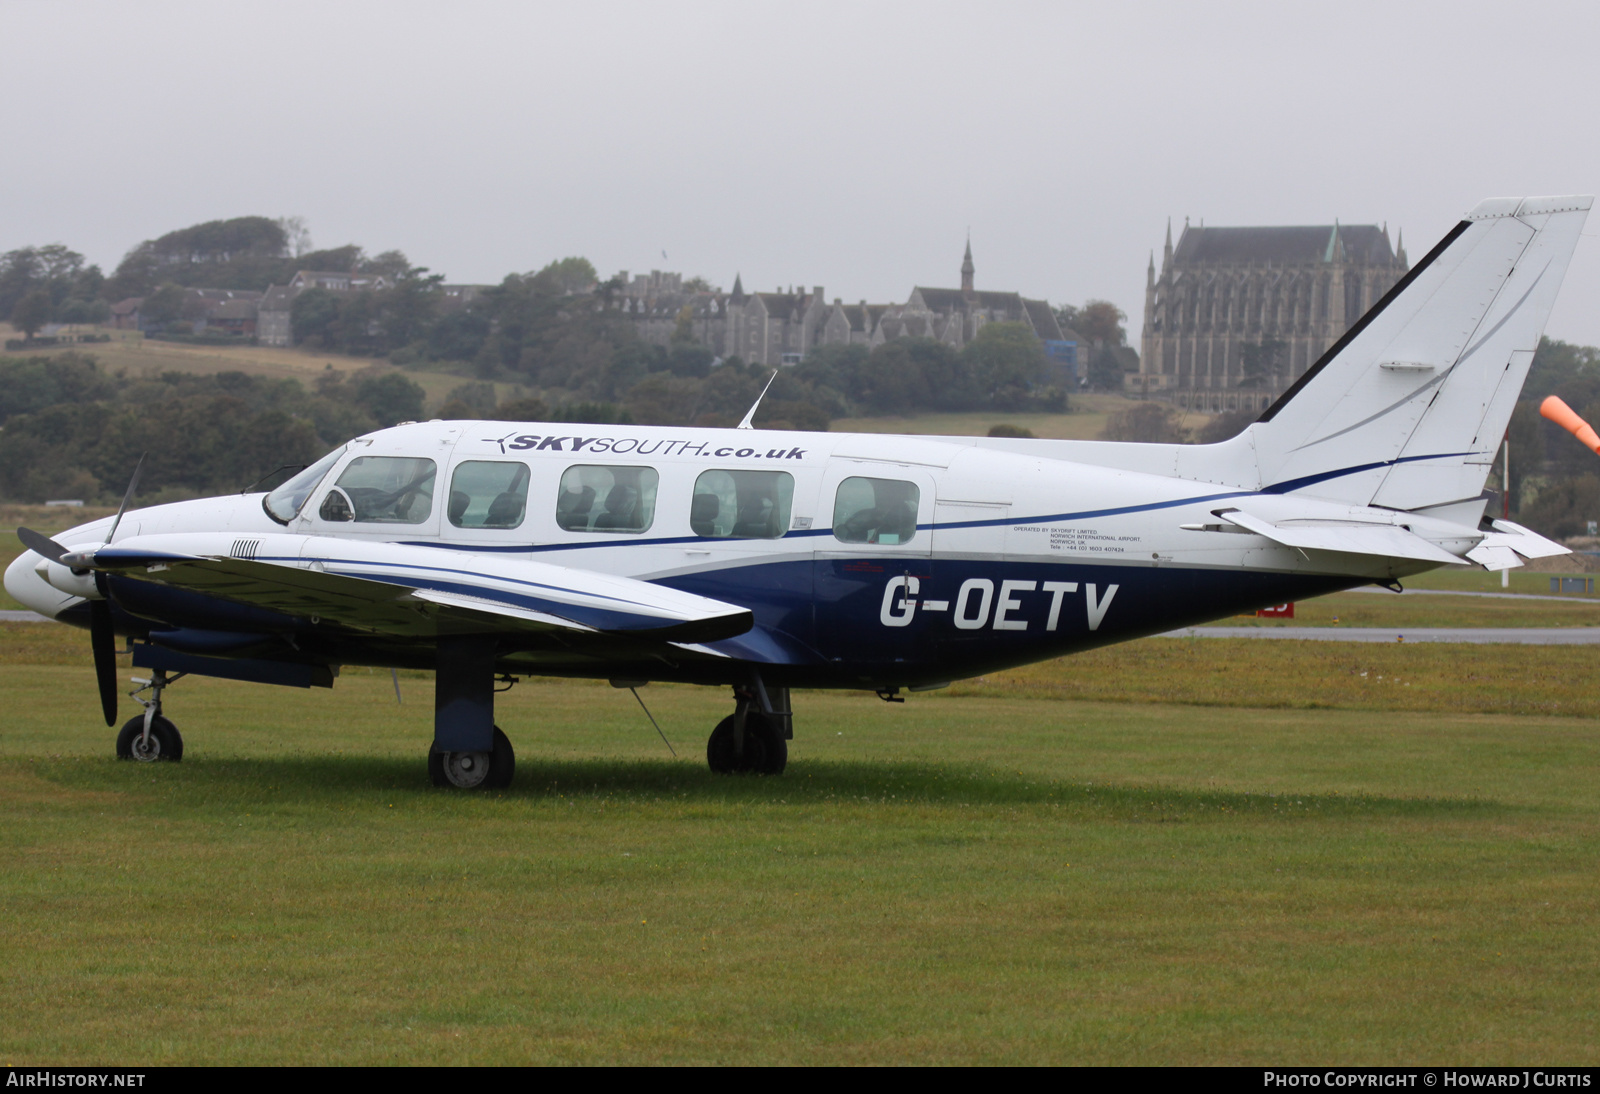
594	498
488	494
382	490
742	504
875	511
284	502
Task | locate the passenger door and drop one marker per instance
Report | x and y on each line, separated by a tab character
872	563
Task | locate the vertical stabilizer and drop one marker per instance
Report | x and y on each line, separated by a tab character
1408	408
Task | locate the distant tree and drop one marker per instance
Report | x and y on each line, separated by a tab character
698	284
1148	421
390	398
31	312
1008	360
664	399
408	307
163	306
1561	368
243	253
527	409
687	358
477	397
57	270
892	380
683	327
1105	369
1100	321
314	317
458	336
390	264
1005	429
1224	426
296	234
346	259
1564	508
1527	448
80	311
565	276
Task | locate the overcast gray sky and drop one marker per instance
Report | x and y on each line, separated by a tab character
849	145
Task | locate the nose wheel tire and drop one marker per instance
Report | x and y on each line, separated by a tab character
164	742
491	770
765	750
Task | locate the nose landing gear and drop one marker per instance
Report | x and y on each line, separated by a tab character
149	737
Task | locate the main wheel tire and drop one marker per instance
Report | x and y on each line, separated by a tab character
765	750
165	742
492	770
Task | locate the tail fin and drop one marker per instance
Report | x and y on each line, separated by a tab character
1407	409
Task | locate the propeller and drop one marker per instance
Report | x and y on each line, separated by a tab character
103	641
102	631
41	544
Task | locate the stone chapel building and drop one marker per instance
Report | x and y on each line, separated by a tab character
1236	315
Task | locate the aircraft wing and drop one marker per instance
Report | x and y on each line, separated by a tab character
412	591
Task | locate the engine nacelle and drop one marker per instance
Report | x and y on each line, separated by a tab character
63	578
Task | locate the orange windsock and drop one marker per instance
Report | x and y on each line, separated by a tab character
1563	416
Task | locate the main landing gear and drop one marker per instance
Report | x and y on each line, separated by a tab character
469	751
491	770
753	740
149	737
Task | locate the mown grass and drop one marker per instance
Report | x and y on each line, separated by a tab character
1447	678
1220	672
1381	608
1528	579
979	879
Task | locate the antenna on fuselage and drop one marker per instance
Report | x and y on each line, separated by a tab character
745	424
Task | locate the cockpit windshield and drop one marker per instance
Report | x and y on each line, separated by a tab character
284	502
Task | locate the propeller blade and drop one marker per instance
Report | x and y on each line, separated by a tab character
103	640
127	496
41	544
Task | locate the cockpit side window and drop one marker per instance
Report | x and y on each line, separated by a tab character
875	511
382	490
596	498
741	504
284	502
488	494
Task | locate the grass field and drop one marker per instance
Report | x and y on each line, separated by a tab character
1012	874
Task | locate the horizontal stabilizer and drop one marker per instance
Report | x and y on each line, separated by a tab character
1499	549
1350	537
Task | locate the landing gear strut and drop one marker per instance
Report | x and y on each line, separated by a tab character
753	740
149	737
469	751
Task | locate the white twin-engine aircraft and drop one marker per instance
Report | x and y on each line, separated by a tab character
767	561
